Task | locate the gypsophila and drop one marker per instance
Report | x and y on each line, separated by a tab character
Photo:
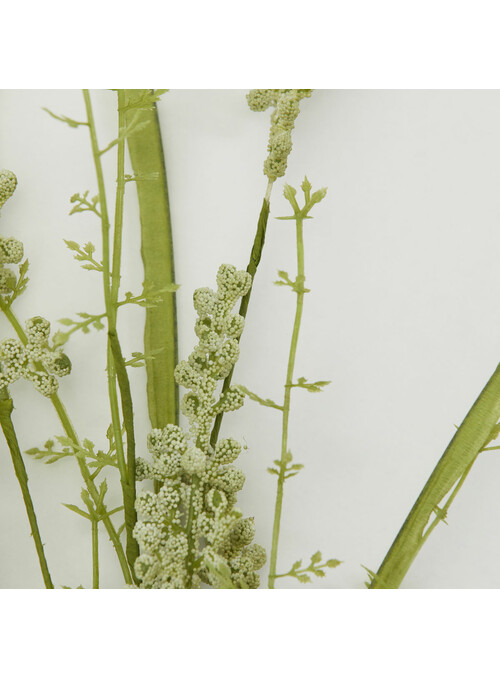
190	531
36	361
286	109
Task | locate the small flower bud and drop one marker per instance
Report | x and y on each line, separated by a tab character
8	183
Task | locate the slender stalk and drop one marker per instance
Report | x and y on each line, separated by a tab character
6	407
160	331
93	491
120	195
114	354
456	462
95	554
71	433
300	291
255	257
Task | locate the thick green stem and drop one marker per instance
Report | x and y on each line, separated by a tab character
160	332
6	407
129	494
286	402
452	468
111	285
255	257
71	433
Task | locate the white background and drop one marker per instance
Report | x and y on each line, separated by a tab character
402	261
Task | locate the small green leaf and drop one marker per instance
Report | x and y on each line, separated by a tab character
304	578
75	509
333	563
316	558
306	188
289	192
267	402
64	118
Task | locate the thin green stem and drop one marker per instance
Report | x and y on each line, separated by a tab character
114	354
287	397
93	491
255	257
95	554
120	194
110	313
71	433
6	407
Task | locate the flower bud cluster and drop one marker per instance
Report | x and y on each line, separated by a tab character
8	183
192	521
286	109
28	361
11	250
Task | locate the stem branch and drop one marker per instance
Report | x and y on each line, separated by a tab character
286	403
6	407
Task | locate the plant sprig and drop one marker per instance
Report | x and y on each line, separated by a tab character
285	467
85	253
315	567
98	459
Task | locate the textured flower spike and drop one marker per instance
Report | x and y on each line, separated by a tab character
11	250
286	109
36	361
8	183
190	532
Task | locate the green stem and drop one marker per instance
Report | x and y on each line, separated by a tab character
6	407
95	554
129	493
255	257
126	468
93	491
120	195
286	403
453	467
160	331
71	433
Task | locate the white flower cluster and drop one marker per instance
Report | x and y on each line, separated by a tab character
11	250
8	183
286	109
192	523
18	361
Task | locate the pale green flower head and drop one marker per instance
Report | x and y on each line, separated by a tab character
191	533
286	109
36	361
8	183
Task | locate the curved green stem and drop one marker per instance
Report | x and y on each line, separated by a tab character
6	407
287	397
453	467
